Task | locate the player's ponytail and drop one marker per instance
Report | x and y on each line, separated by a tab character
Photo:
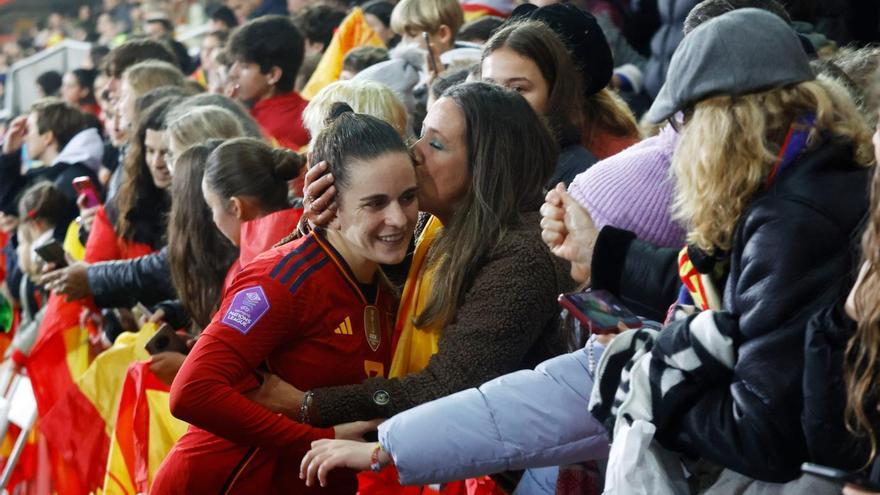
350	137
250	168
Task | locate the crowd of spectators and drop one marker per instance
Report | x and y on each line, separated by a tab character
446	246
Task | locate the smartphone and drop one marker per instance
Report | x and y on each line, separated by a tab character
431	59
52	252
83	186
833	474
141	312
166	340
599	311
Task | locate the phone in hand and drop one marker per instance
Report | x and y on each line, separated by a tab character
52	252
834	474
166	340
83	186
599	311
431	59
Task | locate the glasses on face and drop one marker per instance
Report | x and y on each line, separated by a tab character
680	119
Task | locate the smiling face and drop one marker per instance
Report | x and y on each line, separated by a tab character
378	208
442	160
508	68
155	147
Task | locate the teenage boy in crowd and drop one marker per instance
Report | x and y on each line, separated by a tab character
267	54
46	132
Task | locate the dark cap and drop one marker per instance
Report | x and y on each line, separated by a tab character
743	51
582	36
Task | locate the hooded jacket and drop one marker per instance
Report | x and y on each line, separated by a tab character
790	257
77	158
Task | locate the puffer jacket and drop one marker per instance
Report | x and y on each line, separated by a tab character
791	256
529	418
823	417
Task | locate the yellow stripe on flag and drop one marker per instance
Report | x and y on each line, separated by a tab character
102	382
353	32
165	429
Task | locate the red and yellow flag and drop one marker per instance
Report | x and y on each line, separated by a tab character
145	432
351	33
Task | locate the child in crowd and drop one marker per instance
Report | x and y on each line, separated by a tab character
267	54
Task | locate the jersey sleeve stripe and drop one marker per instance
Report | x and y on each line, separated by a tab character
306	258
280	266
305	274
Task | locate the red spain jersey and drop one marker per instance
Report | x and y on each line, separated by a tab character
298	310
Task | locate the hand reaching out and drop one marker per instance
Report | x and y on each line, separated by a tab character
327	455
71	281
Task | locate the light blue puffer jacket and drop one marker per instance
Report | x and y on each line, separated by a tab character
529	418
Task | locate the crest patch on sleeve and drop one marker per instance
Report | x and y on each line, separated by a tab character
248	306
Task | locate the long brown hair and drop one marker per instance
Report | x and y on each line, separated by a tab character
862	364
535	41
511	154
140	207
198	254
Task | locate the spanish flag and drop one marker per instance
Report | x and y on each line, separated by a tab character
145	432
59	357
351	33
78	426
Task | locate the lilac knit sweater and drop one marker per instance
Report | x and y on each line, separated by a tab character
633	190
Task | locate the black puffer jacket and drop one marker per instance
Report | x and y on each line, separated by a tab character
823	417
123	283
791	256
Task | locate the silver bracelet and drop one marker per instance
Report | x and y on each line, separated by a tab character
591	358
304	407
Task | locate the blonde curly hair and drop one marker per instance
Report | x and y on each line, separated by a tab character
729	144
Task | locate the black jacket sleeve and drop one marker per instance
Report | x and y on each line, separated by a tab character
823	418
644	277
123	283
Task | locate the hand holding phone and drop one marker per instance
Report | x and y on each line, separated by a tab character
166	340
599	311
52	252
84	187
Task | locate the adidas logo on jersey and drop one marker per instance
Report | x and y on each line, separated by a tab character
344	328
